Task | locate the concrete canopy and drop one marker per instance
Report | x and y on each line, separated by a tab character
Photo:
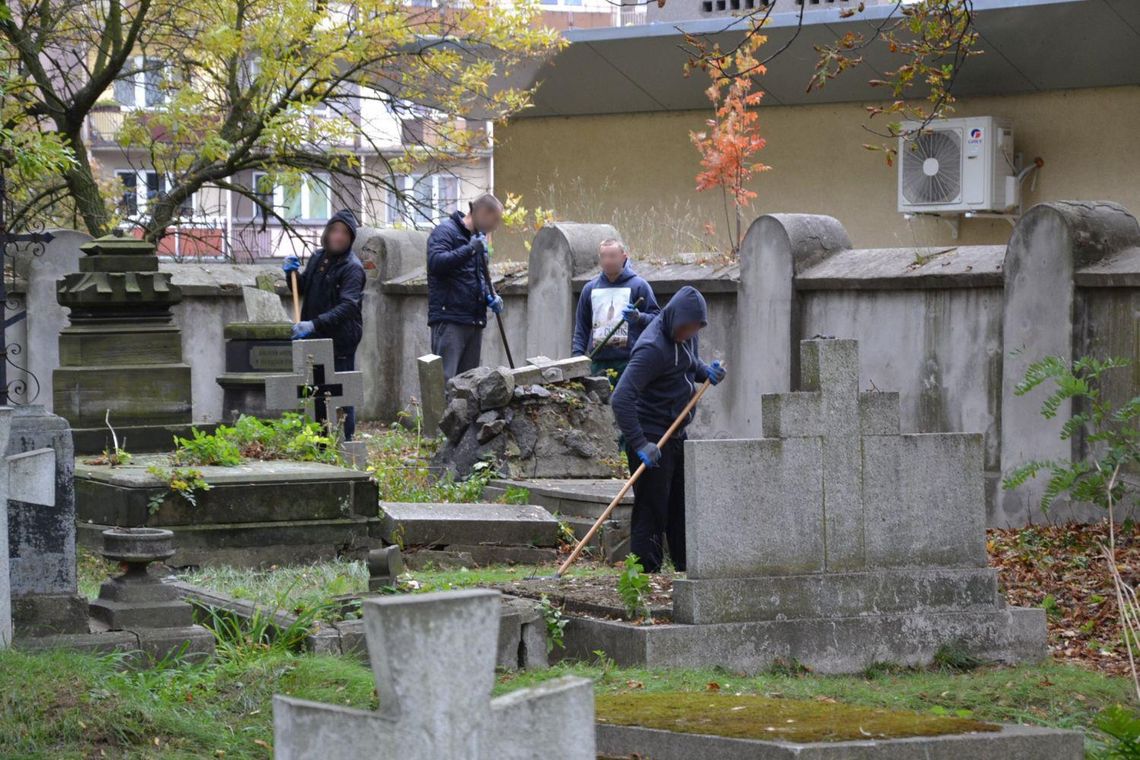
1028	46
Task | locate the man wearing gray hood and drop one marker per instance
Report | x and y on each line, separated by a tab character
663	373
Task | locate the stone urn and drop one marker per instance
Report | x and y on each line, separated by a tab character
135	598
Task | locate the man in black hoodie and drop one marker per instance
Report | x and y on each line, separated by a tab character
332	292
663	373
459	287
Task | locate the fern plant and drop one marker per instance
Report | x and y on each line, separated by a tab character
1108	431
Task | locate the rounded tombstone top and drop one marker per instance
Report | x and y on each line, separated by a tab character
137	545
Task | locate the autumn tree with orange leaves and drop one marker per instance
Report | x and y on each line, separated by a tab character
732	138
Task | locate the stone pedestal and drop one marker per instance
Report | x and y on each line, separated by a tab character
138	602
254	351
121	355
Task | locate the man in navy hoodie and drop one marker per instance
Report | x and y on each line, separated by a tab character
664	371
332	292
608	300
459	288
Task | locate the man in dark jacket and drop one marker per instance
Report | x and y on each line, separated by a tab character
663	373
610	299
459	285
332	292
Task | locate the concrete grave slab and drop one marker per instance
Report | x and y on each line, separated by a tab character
412	524
433	657
1010	743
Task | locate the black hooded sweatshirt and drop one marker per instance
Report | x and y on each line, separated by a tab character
332	287
662	374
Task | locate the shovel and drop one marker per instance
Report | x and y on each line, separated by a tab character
498	317
629	483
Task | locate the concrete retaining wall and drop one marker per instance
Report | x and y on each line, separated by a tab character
950	328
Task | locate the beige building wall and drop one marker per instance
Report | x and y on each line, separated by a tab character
637	171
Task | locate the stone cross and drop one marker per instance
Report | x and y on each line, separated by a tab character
833	486
30	478
433	658
315	384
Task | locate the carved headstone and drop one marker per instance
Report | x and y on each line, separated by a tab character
433	656
314	384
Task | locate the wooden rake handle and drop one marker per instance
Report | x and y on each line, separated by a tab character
296	297
632	479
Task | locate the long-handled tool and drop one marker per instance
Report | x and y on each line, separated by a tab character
632	479
498	316
612	332
296	297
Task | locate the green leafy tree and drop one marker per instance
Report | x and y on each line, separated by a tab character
278	86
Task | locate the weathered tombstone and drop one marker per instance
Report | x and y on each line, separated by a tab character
28	477
433	657
121	354
255	349
314	385
432	400
41	538
850	532
384	567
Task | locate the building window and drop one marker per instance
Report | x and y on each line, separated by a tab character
423	200
308	200
141	189
141	86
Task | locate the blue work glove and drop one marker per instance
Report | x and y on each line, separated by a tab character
496	303
649	455
630	313
292	264
303	330
479	243
716	372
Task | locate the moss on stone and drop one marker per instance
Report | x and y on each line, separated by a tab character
258	331
755	717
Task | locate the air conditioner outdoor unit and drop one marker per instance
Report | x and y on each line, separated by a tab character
955	166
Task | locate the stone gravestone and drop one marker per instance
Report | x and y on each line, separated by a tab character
433	401
433	656
838	541
314	384
41	538
255	349
29	478
121	354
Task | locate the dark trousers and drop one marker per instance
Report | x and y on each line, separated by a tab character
340	364
659	509
460	346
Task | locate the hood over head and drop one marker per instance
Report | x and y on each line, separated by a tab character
345	217
686	307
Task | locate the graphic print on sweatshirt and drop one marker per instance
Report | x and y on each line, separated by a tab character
607	304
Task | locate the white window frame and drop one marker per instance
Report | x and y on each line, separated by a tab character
142	186
322	180
406	213
138	84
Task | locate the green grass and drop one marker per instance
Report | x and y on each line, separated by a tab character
306	586
70	705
